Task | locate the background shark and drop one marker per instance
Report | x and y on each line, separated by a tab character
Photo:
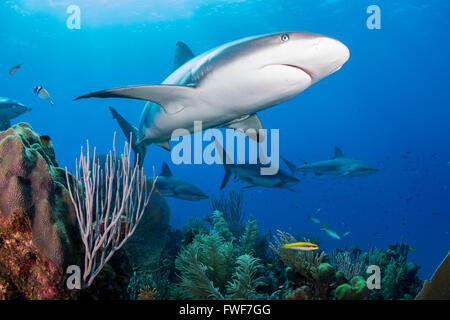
226	86
338	166
170	186
10	109
251	173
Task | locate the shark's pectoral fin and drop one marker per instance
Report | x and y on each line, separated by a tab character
249	125
344	174
169	97
248	187
165	145
182	55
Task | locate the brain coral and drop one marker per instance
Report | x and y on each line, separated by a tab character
31	183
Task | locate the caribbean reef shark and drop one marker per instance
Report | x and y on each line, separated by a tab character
251	173
171	186
228	85
10	109
338	166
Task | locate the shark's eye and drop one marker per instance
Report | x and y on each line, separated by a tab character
284	37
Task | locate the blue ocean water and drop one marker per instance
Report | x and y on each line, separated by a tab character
388	105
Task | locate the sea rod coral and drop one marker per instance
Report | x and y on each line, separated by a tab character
109	205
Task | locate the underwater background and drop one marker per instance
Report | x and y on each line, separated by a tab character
387	106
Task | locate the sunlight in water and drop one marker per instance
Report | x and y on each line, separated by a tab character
99	12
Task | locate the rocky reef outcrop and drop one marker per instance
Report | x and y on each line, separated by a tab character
38	229
39	235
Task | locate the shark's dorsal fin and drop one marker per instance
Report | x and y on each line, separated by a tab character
165	171
247	122
182	55
338	153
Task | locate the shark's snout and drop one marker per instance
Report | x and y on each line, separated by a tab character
324	56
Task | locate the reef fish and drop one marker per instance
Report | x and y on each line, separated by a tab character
43	94
10	109
301	246
228	85
331	233
15	68
338	166
315	220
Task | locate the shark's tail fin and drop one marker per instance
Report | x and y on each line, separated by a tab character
226	161
130	132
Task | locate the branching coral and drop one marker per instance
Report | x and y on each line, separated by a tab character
232	209
344	262
245	279
221	226
247	242
207	263
303	263
194	281
399	277
308	277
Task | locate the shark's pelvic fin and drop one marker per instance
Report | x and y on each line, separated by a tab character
338	153
130	130
169	97
226	160
182	55
250	125
165	171
165	145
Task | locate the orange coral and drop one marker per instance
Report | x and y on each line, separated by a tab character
147	294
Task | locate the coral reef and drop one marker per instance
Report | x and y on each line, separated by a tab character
439	286
32	182
308	278
150	237
355	290
232	210
399	279
217	266
38	229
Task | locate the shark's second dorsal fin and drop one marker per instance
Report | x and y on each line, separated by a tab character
182	55
165	171
338	153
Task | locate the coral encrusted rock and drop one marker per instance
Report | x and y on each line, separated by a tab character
38	229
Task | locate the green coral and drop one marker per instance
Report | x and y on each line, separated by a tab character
221	226
194	280
247	242
245	279
399	277
355	290
216	266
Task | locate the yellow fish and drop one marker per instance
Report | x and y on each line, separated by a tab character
301	246
210	268
412	249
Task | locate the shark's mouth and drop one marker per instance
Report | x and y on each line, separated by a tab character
309	73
